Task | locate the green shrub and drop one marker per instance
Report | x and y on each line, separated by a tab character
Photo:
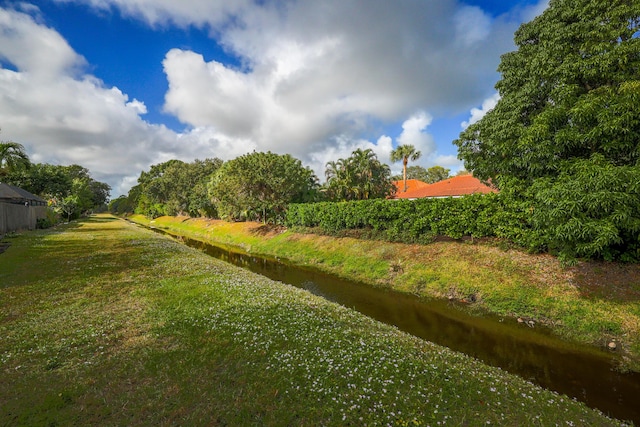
490	215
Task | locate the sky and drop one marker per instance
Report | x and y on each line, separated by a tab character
119	85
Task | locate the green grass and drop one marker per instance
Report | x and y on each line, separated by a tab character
591	303
103	323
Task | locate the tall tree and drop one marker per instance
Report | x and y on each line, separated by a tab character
259	186
45	180
571	89
358	177
12	158
436	173
404	153
569	105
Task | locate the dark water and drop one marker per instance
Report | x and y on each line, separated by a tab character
581	372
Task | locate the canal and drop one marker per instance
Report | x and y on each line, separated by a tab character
582	372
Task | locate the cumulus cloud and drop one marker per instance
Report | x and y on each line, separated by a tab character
315	73
414	133
63	117
34	48
478	113
472	25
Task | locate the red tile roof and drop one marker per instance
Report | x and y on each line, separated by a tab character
457	186
412	184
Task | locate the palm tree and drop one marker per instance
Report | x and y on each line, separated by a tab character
12	157
360	176
404	153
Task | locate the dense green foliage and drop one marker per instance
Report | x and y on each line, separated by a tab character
418	220
593	210
567	119
430	176
259	186
70	190
171	188
359	177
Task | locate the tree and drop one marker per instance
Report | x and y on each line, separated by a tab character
361	176
569	104
571	89
45	180
259	186
431	175
12	158
436	173
175	188
404	153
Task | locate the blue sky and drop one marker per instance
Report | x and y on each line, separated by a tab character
119	85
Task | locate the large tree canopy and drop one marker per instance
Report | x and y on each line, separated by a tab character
69	189
173	188
259	186
565	134
571	90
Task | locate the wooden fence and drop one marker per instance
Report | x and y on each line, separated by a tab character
16	217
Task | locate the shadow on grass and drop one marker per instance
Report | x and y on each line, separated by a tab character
607	280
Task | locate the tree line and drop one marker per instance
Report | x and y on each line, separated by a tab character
257	186
69	190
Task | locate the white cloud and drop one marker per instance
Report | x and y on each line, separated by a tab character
472	25
34	48
62	117
478	113
317	80
314	71
414	133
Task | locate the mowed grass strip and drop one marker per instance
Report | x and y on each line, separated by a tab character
103	323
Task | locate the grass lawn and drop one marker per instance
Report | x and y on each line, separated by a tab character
104	323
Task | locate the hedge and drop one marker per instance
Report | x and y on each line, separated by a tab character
420	220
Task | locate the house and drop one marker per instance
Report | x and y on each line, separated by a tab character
456	186
19	209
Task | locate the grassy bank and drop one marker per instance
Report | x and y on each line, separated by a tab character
104	323
594	303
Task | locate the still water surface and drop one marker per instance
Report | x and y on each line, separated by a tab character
584	373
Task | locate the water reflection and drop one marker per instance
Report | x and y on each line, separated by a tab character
584	373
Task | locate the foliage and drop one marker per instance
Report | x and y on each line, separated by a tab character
569	98
70	190
259	186
569	91
592	210
436	173
430	176
418	220
172	188
120	205
404	153
45	180
359	177
12	158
